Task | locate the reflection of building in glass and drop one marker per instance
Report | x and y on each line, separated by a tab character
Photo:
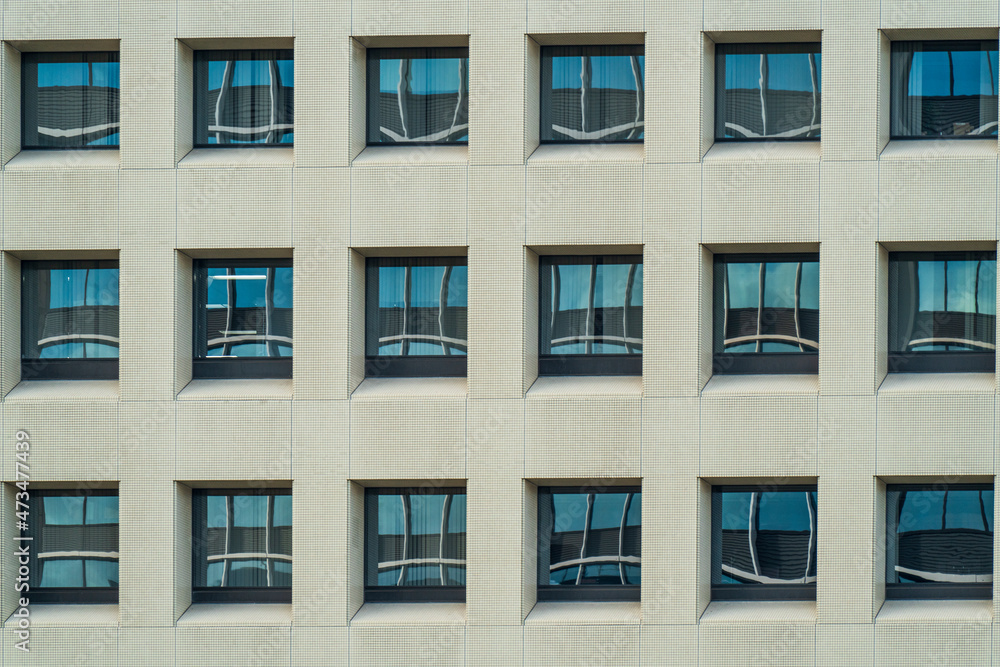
418	95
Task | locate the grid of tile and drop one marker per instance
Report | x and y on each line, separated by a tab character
155	204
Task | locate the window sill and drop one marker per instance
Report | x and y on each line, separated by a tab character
577	153
67	615
764	151
410	613
61	390
923	149
779	611
938	383
771	385
64	159
208	158
236	614
411	156
411	388
235	390
948	611
586	385
585	613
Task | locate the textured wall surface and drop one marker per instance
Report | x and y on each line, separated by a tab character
155	203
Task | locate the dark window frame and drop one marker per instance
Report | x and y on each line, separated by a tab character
581	364
762	363
772	48
81	368
199	94
942	590
408	593
938	362
239	594
384	365
64	594
760	592
241	368
27	59
590	592
545	75
936	42
376	54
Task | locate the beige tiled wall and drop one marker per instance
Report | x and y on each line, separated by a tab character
502	204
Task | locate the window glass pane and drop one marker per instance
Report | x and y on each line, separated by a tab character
942	302
944	89
405	544
243	309
69	310
244	97
598	532
70	100
418	307
74	540
763	537
768	91
593	93
769	305
418	95
939	535
242	540
591	305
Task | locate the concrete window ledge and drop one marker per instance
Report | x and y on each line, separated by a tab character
947	611
68	615
926	149
375	388
742	385
236	390
62	390
549	387
68	159
208	158
590	153
410	613
938	383
585	613
402	155
762	152
742	612
229	615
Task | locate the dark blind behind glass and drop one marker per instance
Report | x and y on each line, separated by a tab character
593	93
418	95
70	100
944	89
244	97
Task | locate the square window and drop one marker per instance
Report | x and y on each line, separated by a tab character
69	320
768	91
73	545
418	96
243	318
241	545
415	544
70	100
593	94
416	316
766	313
943	89
942	312
244	97
589	543
590	317
764	542
939	541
